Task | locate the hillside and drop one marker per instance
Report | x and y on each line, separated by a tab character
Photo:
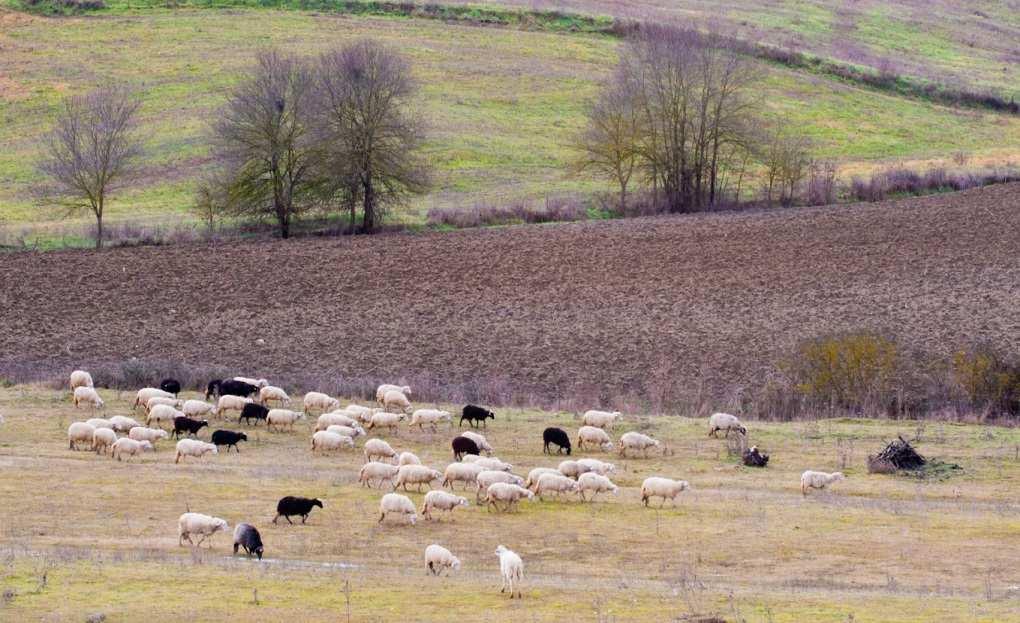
595	312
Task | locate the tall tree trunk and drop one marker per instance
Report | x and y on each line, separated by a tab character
369	218
98	209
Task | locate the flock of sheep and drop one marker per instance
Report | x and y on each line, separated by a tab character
338	428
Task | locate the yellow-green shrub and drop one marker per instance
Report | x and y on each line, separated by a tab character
854	370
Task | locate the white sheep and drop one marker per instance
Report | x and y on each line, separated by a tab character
535	474
441	500
326	441
335	419
162	414
491	476
270	393
79	432
128	446
438	558
637	442
511	567
152	435
319	401
665	488
408	458
374	470
81	378
431	417
383	419
726	422
416	475
380	393
818	480
597	466
98	422
480	441
195	448
595	484
396	401
143	395
377	448
346	431
461	472
594	436
508	493
600	419
572	469
487	462
361	414
122	424
397	504
231	403
162	400
283	417
553	482
198	408
260	383
103	439
88	396
197	523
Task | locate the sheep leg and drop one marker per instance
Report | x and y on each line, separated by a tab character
287	517
382	516
304	518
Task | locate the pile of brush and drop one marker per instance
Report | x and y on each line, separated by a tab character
899	454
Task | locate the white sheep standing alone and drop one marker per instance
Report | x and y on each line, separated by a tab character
81	378
377	448
430	417
461	472
282	417
325	441
480	441
818	480
441	500
320	402
594	436
380	392
416	475
270	393
79	432
88	396
384	419
103	439
197	523
638	442
198	408
374	470
595	484
507	493
726	422
438	558
397	504
511	567
396	401
195	448
600	419
665	488
130	447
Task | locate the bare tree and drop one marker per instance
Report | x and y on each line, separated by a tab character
90	151
786	160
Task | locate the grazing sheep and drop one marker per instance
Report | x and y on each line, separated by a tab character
229	402
594	436
228	438
319	401
346	431
665	488
557	437
508	493
197	523
572	469
184	424
421	417
197	408
81	378
475	414
253	411
383	419
374	470
553	483
259	383
290	506
600	419
416	475
248	537
535	474
89	396
491	476
408	458
462	446
396	401
637	442
98	422
103	439
195	448
128	446
230	387
377	448
283	417
397	504
170	385
438	558
360	414
461	472
143	395
818	480
595	484
480	441
79	432
488	462
161	400
270	393
152	435
380	393
511	567
441	500
335	419
597	466
726	422
325	441
161	414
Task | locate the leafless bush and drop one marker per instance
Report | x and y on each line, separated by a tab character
821	185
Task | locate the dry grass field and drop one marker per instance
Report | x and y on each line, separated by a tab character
83	534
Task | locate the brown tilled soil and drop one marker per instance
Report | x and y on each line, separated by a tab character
601	309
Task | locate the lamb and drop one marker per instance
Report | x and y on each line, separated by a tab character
461	472
195	448
438	558
511	567
152	435
253	411
143	395
597	466
557	437
346	431
229	402
170	385
726	422
572	469
475	414
600	419
665	488
488	462
88	396
440	500
126	445
320	401
270	393
532	480
259	383
161	400
228	438
408	458
380	393
103	439
508	493
638	442
553	483
290	506
491	476
595	484
377	448
374	470
396	401
79	432
283	417
383	419
397	504
325	441
462	446
593	437
480	441
248	537
416	475
818	480
161	414
330	419
421	417
197	523
98	422
184	424
197	408
81	378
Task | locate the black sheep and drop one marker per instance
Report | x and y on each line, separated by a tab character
228	438
475	414
184	424
462	446
556	437
248	537
252	411
230	387
171	385
291	505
